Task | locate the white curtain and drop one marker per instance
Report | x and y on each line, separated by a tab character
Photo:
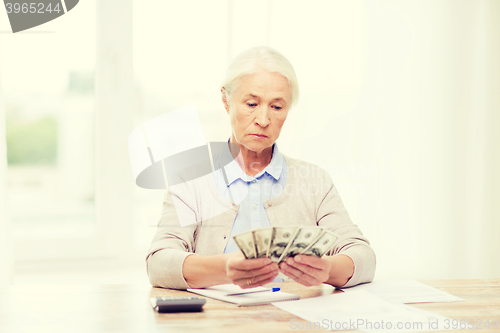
399	101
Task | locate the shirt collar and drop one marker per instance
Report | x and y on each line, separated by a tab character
274	168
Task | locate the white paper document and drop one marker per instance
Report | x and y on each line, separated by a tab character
405	291
265	297
361	310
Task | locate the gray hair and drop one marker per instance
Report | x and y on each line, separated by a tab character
254	60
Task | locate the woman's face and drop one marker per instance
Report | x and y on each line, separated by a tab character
258	108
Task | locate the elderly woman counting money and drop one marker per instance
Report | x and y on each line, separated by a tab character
261	188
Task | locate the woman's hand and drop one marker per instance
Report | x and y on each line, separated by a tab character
307	270
249	273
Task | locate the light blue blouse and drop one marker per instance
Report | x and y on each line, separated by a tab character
250	192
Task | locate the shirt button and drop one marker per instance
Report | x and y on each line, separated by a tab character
253	181
254	207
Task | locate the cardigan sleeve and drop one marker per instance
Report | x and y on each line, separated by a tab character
171	244
332	214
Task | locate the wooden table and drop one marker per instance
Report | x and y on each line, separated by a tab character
126	308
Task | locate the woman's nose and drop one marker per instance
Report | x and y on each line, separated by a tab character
262	118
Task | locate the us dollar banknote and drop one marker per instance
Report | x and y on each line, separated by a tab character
280	238
246	244
305	236
262	239
322	245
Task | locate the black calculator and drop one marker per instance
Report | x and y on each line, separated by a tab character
178	304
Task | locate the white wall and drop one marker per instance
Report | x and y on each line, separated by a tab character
405	89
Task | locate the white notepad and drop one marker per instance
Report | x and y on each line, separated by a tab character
219	292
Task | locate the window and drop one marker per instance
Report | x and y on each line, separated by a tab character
47	78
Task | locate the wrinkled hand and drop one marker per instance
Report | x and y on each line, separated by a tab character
250	273
307	270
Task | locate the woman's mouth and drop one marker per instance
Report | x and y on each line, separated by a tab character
259	136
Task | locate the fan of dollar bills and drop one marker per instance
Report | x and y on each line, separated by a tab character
279	243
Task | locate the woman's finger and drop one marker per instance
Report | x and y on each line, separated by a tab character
299	276
312	261
303	267
257	280
243	264
236	274
320	270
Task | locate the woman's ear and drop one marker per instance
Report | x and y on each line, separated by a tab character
224	99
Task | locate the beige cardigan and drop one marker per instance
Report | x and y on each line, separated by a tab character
309	198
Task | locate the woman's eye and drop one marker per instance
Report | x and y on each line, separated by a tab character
251	104
277	107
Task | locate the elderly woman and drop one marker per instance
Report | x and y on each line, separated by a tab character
260	188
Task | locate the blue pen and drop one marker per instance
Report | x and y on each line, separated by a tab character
257	291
